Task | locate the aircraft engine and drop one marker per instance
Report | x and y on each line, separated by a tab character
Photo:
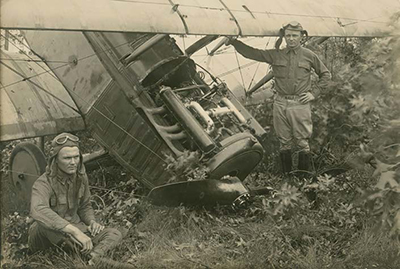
207	116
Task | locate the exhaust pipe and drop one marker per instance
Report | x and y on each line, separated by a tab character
187	120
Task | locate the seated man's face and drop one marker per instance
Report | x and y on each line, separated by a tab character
68	160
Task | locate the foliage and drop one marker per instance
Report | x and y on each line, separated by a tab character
186	167
360	102
14	246
262	237
278	231
383	201
354	225
356	120
367	88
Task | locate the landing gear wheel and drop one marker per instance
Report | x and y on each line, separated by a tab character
27	163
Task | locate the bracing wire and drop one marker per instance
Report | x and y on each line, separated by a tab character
27	55
58	67
41	88
255	11
37	63
258	65
102	114
29	60
119	127
235	69
240	71
35	84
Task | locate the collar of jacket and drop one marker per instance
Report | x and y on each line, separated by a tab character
295	50
63	177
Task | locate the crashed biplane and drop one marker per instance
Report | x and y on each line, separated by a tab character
111	67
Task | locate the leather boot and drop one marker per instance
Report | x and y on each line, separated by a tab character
305	165
286	161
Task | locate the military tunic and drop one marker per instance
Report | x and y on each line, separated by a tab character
292	69
61	200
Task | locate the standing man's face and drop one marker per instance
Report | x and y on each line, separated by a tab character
292	38
68	160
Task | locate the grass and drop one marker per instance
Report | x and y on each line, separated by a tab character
170	239
333	236
197	238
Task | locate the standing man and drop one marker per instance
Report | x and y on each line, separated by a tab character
60	204
292	70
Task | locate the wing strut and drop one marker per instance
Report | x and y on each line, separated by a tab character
258	65
175	8
201	43
240	71
233	17
261	82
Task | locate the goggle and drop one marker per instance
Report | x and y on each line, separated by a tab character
292	24
63	139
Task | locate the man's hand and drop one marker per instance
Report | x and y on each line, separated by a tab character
79	237
95	228
306	97
84	241
228	40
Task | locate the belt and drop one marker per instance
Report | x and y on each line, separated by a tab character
289	97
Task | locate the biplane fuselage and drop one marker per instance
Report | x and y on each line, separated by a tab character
147	103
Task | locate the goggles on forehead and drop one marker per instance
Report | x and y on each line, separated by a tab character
63	139
293	25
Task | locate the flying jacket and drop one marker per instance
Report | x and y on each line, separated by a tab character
60	200
291	68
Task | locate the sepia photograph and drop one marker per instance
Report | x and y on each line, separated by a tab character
200	134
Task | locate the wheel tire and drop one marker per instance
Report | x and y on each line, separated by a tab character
27	163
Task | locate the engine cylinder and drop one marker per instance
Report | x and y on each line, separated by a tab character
187	120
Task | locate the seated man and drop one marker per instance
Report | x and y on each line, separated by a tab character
60	204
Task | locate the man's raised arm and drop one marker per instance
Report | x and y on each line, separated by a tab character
250	52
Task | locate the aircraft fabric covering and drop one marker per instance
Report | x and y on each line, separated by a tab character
205	17
37	106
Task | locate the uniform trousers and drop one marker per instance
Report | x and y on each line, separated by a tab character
41	238
292	122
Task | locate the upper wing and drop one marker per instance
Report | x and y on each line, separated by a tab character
205	17
34	107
